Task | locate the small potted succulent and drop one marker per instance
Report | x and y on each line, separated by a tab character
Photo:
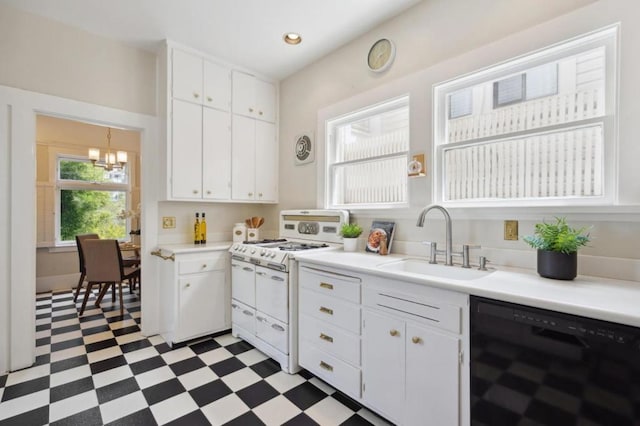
557	244
350	233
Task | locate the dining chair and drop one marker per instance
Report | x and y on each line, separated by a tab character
103	263
79	240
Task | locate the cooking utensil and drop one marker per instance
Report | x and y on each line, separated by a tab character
254	221
260	222
248	223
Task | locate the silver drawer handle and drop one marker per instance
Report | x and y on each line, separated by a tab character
247	313
233	305
246	268
273	277
277	327
235	265
261	319
262	274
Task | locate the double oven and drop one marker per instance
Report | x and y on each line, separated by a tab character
264	281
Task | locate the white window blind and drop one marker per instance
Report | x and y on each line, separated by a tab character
541	128
367	157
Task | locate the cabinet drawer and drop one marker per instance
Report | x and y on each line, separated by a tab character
335	372
272	331
202	264
330	339
337	312
422	310
244	316
331	283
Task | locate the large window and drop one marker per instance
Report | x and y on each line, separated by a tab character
367	157
90	200
536	130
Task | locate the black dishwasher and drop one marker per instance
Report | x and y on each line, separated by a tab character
535	366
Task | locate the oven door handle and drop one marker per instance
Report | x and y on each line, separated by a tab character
276	278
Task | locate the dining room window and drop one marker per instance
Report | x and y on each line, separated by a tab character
90	199
367	153
539	129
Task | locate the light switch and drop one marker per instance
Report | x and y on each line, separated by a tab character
168	222
510	230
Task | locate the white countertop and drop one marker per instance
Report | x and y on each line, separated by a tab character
195	248
601	298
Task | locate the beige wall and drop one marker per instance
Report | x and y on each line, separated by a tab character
438	40
48	57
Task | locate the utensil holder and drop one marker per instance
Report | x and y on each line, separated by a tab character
253	234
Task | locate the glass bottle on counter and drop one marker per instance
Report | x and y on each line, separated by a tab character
196	230
203	230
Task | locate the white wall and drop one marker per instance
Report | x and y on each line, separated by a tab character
436	41
49	57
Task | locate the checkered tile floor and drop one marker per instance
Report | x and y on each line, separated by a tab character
99	369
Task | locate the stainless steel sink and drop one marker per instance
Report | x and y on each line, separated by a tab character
423	267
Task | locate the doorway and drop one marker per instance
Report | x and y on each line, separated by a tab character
18	112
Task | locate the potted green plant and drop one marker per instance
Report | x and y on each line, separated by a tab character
350	233
557	244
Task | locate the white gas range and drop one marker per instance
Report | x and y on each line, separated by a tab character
264	284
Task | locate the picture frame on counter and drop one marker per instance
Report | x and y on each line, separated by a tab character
380	229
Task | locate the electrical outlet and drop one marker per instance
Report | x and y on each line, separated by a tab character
510	229
168	222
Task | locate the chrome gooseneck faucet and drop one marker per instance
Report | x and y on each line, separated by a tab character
447	219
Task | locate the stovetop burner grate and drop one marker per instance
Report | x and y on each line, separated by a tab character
266	241
300	246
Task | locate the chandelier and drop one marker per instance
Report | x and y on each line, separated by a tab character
112	160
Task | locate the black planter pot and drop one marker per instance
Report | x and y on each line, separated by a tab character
557	265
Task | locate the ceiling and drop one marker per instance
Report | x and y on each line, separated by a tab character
243	32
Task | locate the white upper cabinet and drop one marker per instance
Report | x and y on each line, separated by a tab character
200	81
216	154
216	150
266	162
253	97
217	86
254	160
187	76
186	151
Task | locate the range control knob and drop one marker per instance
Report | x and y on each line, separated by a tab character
253	251
273	254
263	252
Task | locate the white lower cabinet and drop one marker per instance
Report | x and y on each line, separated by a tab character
410	373
396	347
194	295
329	328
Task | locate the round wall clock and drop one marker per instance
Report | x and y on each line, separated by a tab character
381	55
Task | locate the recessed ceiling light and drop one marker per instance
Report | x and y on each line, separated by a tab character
292	38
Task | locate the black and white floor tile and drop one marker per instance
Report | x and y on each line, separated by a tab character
99	369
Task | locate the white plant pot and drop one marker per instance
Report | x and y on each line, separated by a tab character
350	244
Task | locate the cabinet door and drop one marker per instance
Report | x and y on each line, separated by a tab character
243	160
187	76
216	154
265	101
217	86
202	305
266	162
186	151
244	94
383	350
433	377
